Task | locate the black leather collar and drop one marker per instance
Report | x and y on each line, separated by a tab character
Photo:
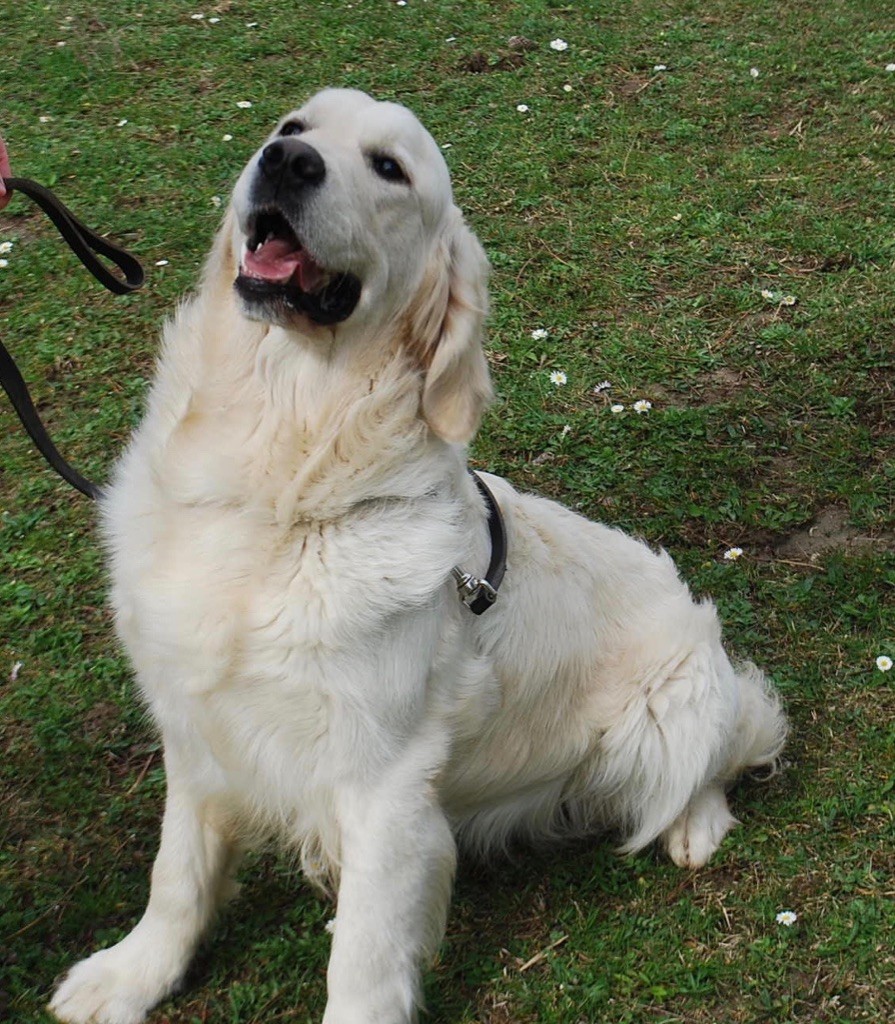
479	593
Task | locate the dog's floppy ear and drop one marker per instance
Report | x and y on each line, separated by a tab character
448	327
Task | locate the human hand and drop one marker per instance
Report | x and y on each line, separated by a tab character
5	172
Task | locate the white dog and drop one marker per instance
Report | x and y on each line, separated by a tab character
286	530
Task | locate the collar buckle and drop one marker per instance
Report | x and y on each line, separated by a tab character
472	589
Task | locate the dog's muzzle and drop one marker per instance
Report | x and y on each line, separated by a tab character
279	276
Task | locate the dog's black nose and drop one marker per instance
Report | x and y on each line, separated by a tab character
292	161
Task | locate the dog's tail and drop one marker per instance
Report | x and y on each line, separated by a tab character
702	722
761	727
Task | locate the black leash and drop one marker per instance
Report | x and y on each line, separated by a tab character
87	245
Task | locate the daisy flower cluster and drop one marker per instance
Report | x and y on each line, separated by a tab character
559	378
5	250
778	297
242	105
641	406
558	46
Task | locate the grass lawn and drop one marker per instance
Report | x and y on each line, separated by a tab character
697	207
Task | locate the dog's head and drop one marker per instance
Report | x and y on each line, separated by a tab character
344	222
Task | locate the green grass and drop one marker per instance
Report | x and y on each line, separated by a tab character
637	218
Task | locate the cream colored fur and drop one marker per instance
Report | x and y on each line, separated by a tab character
281	533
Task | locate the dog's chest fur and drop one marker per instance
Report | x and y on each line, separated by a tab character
269	632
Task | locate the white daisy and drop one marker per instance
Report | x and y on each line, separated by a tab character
522	108
567	88
754	72
243	104
732	554
788	300
890	67
197	17
4	263
558	378
6	247
539	333
559	45
226	138
122	122
618	407
766	293
161	263
213	21
884	663
660	67
787	917
44	118
604	385
215	200
642	405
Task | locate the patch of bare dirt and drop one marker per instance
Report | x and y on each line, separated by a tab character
830	530
24	225
720	385
630	88
480	63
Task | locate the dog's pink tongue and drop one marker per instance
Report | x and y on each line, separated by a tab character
275	260
278	260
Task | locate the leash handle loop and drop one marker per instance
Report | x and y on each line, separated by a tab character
83	241
87	245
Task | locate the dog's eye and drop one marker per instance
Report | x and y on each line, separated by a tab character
387	167
292	128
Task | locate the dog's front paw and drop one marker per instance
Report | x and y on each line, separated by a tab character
114	986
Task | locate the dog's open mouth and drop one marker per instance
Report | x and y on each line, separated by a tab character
278	271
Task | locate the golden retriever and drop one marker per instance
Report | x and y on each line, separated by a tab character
285	532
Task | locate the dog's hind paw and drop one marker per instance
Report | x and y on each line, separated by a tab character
695	835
